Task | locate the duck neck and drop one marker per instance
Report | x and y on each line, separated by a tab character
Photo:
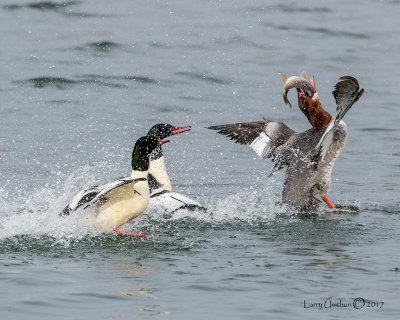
318	117
140	161
156	153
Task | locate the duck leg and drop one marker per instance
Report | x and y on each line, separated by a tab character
328	202
332	207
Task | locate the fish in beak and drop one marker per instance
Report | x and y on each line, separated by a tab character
303	86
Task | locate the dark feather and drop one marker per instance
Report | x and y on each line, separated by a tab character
247	132
346	93
268	139
243	133
153	183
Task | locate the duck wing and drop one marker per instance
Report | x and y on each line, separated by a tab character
92	195
80	199
172	201
110	187
346	93
264	137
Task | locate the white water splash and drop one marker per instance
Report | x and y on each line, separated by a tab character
249	204
36	212
255	202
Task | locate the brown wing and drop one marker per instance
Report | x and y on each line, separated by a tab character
262	136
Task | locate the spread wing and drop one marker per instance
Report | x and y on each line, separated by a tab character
264	137
346	93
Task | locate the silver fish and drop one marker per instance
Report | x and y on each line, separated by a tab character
296	82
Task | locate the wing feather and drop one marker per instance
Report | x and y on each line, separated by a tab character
262	136
243	133
346	93
110	187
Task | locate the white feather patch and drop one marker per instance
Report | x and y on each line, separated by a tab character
172	201
75	201
261	144
326	139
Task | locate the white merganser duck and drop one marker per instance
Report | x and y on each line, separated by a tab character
309	156
124	199
161	194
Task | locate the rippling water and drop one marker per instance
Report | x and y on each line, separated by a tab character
82	80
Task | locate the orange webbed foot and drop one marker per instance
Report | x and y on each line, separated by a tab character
331	207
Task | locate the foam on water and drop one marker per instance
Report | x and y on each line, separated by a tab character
35	212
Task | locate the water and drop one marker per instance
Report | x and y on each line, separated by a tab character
82	80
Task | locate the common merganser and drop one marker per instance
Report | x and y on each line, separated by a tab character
309	156
161	194
124	199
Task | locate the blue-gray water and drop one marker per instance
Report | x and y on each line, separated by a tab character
80	81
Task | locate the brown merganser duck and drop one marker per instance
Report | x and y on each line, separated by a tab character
124	199
161	194
309	156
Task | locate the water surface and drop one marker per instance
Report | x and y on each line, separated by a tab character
82	80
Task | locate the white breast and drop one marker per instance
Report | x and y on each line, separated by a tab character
333	143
